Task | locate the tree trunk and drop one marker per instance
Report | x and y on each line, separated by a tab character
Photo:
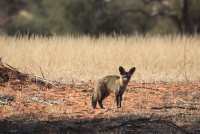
186	22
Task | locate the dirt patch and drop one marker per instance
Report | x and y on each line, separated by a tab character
147	108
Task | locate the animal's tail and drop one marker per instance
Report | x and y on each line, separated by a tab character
94	100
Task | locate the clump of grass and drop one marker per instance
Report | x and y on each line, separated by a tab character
157	58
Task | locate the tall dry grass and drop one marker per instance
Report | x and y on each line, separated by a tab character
157	58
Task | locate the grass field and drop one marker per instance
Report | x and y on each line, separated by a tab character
157	58
148	107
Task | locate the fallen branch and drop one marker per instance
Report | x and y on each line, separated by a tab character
143	87
176	107
44	82
12	73
42	73
45	101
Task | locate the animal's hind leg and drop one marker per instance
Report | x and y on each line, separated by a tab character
100	101
101	98
94	101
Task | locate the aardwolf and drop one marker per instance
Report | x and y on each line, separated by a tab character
112	83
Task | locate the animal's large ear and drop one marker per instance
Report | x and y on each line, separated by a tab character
132	70
122	70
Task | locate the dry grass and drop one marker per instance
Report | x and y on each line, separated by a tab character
169	58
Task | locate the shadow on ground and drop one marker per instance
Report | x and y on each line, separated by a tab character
119	125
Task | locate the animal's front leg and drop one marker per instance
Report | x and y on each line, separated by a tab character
118	98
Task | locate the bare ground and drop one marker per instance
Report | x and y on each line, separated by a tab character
147	108
36	106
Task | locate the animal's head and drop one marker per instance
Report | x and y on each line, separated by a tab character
126	75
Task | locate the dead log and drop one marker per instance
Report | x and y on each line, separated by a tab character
8	72
41	81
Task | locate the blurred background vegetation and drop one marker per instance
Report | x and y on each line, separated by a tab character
96	17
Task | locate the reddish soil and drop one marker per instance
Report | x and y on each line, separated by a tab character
176	102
